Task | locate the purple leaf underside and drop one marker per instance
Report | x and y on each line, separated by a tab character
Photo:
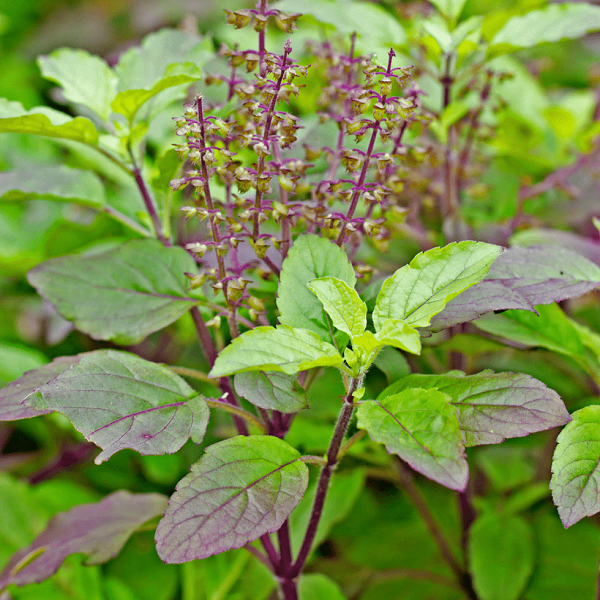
522	278
97	530
118	400
12	396
239	490
494	406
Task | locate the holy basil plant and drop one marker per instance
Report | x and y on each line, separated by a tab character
246	487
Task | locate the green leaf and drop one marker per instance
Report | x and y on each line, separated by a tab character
118	400
575	472
493	406
369	21
275	349
141	67
42	120
552	23
501	556
421	289
311	257
84	78
567	559
272	391
342	303
549	329
449	8
129	102
121	295
422	428
56	182
316	586
240	489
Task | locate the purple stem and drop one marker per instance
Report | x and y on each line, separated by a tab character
325	476
158	228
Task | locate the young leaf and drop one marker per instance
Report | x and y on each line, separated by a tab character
393	333
118	400
15	392
56	182
501	556
575	472
129	102
240	489
272	391
522	278
42	120
342	303
493	406
552	23
275	349
422	428
121	295
421	289
84	78
311	257
97	530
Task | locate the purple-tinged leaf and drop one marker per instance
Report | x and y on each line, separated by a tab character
575	479
118	400
239	490
522	278
493	406
12	396
422	428
97	530
271	390
482	298
121	295
584	246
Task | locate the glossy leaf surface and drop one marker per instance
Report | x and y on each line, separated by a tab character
275	349
271	390
422	428
118	400
342	303
97	530
493	406
240	489
575	472
105	295
421	289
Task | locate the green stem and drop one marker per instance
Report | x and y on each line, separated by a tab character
113	213
238	412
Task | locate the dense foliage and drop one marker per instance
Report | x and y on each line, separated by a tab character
321	284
